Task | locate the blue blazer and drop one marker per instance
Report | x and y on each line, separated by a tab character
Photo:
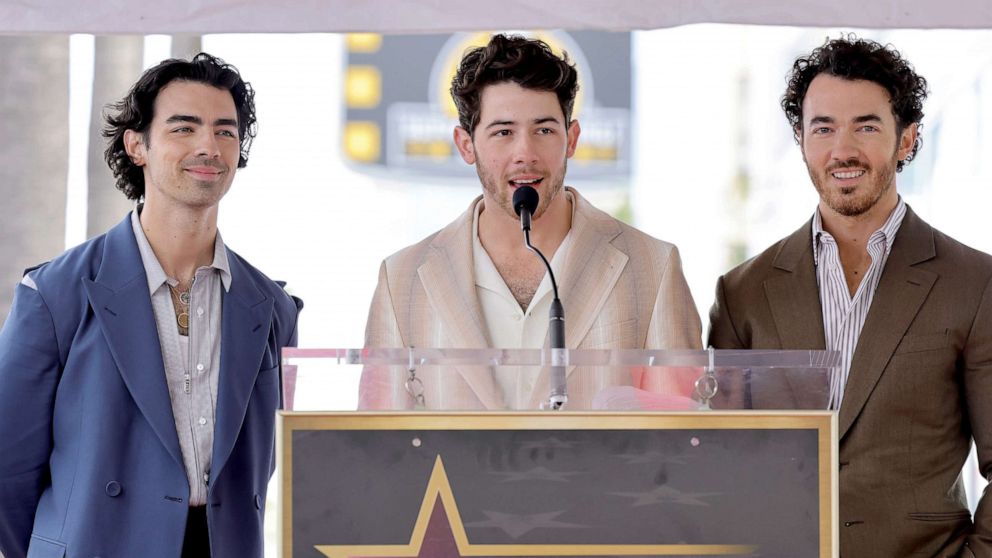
90	463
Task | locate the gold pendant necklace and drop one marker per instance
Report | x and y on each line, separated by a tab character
180	302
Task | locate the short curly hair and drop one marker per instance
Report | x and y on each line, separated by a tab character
852	58
136	111
529	63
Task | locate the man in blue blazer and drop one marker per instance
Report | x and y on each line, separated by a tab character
139	372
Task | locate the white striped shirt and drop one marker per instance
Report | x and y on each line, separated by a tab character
844	315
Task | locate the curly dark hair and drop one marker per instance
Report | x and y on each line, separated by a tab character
529	63
136	111
852	58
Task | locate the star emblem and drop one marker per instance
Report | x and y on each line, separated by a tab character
536	474
654	458
439	541
548	443
439	532
667	495
516	525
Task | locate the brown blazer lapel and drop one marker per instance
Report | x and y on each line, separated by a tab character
901	292
793	295
794	299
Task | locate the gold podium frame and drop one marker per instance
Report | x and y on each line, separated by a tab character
824	422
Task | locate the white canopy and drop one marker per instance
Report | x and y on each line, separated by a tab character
409	16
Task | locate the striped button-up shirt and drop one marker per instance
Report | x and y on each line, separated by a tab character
192	363
843	314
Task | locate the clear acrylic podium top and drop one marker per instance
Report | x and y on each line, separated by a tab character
401	379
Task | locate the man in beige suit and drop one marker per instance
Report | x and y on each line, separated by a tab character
909	309
473	284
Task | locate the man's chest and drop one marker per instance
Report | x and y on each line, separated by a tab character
522	276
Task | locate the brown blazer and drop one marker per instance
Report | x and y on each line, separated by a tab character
920	384
620	288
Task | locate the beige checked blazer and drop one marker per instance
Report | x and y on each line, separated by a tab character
621	289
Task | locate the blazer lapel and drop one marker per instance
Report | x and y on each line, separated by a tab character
794	299
246	319
901	292
122	305
793	295
591	271
449	280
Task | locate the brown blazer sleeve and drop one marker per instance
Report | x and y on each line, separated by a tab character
977	368
722	333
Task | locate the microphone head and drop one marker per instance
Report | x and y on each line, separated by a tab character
525	197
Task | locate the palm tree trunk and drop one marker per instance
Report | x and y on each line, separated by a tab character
117	65
34	154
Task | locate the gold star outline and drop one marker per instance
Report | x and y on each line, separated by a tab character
439	487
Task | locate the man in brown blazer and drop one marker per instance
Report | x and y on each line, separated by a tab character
473	284
908	308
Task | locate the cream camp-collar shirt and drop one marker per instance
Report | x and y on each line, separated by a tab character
509	326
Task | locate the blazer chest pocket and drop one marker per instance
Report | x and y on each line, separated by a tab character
957	515
920	343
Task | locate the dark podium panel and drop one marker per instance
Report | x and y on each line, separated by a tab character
563	484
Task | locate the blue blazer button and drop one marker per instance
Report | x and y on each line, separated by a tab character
258	502
113	489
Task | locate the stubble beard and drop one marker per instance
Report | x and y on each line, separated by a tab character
504	197
841	200
206	192
183	190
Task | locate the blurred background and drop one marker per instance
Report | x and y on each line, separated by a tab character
682	136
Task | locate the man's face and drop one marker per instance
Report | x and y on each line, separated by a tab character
521	139
190	152
851	144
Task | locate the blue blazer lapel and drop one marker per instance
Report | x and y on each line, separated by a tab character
245	324
123	309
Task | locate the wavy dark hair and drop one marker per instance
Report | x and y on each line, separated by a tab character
136	111
529	63
851	58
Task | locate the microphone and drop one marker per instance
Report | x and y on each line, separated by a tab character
525	201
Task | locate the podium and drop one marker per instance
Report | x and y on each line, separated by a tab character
661	453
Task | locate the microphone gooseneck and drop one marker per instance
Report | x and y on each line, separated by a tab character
525	202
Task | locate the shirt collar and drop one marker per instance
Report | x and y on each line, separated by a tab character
153	269
886	233
486	274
